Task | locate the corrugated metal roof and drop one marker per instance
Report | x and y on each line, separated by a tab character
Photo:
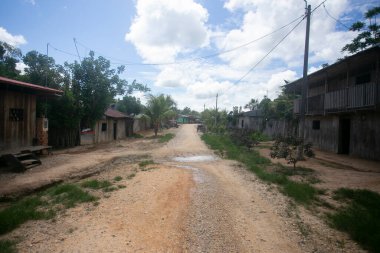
112	113
8	81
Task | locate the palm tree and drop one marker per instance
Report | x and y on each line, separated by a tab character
159	108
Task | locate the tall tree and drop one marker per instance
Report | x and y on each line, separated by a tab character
129	105
369	32
42	70
252	104
9	57
95	84
159	108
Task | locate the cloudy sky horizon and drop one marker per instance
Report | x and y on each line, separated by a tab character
190	49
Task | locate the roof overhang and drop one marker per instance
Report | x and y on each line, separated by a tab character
11	84
337	68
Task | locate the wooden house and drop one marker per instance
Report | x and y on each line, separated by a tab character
19	126
342	111
114	125
255	121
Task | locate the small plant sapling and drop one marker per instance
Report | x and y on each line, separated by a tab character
287	148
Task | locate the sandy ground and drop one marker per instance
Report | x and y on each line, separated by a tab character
190	200
336	171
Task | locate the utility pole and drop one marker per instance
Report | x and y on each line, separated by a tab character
216	110
303	106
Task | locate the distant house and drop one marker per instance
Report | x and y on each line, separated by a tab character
252	120
343	105
187	119
255	121
114	125
19	125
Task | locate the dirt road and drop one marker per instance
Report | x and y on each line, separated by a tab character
188	201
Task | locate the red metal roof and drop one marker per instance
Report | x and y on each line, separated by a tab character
8	81
115	113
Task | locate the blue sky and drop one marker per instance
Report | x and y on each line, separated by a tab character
167	31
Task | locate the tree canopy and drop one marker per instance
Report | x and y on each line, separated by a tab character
368	32
159	108
9	57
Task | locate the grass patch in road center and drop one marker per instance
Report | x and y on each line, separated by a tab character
166	138
96	184
360	217
130	176
118	178
145	163
69	195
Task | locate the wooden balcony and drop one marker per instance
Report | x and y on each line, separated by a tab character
351	98
315	104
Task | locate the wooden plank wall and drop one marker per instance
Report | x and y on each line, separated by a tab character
17	133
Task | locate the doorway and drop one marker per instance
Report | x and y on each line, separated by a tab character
114	130
344	136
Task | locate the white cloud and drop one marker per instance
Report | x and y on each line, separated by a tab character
163	29
21	66
196	83
13	40
262	17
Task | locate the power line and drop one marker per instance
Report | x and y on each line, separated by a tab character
337	20
270	51
62	51
201	57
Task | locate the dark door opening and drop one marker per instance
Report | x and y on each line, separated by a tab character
114	130
344	136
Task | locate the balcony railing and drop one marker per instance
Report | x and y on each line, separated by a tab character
336	100
351	98
361	95
315	104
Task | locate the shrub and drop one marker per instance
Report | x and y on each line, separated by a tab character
288	148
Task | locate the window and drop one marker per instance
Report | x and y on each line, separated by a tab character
316	124
16	114
104	127
364	78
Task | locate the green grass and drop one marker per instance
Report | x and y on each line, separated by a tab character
137	136
20	212
300	192
166	138
110	189
7	246
118	178
96	184
130	176
69	195
360	217
145	163
42	205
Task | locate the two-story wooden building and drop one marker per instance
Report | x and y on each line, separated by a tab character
342	111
